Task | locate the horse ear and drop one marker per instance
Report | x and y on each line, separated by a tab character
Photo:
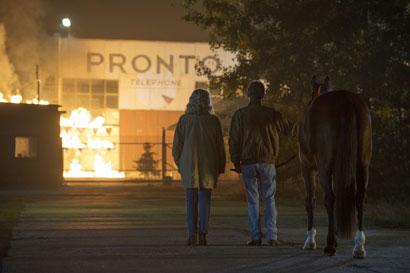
315	87
313	82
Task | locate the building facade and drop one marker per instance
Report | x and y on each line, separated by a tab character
139	87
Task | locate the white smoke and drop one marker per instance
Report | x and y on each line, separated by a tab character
8	77
25	46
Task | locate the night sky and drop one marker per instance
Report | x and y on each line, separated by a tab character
124	19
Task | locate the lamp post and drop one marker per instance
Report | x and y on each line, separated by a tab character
65	25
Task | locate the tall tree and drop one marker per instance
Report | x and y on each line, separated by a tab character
146	164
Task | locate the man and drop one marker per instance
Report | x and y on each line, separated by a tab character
254	147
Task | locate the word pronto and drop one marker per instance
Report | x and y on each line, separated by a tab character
143	63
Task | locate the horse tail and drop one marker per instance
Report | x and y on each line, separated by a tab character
345	174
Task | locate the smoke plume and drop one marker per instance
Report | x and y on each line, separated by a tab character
25	44
8	77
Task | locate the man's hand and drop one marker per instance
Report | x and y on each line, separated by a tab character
237	167
295	130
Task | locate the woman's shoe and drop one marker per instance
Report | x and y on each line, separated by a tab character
202	239
191	241
273	243
254	242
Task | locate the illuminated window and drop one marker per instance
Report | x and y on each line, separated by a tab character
25	147
111	87
91	94
111	102
83	86
68	95
68	86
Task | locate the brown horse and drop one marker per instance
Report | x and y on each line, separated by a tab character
335	145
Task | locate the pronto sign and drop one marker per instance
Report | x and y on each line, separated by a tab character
151	74
143	63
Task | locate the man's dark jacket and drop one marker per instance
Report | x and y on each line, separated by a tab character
253	137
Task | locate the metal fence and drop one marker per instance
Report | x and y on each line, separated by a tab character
145	158
150	159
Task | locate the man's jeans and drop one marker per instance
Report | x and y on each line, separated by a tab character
193	198
265	174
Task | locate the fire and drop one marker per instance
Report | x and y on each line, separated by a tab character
80	124
16	98
71	139
81	132
36	101
76	170
102	169
2	99
19	99
100	144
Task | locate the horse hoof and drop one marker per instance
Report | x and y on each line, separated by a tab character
309	246
310	243
330	251
358	251
359	254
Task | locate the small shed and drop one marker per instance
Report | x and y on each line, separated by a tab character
30	146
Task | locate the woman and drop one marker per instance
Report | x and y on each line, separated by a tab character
199	153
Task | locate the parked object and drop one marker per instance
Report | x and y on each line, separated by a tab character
30	144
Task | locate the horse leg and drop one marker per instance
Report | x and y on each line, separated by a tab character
326	182
310	187
359	251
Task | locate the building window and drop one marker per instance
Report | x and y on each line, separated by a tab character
90	93
25	147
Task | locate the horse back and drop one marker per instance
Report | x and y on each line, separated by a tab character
323	122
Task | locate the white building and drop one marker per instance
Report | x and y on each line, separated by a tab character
140	87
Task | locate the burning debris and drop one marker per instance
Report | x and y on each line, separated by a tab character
19	99
81	132
102	169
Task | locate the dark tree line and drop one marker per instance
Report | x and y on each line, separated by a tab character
363	46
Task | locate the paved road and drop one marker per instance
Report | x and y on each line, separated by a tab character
141	229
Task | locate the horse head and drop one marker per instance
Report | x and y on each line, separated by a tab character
319	88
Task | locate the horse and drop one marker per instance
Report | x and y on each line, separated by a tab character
335	145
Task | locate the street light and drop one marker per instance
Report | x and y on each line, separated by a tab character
66	28
66	22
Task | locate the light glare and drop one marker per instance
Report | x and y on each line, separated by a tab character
66	22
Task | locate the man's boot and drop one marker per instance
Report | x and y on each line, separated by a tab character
202	239
191	241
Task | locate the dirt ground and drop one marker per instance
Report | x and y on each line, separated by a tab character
142	229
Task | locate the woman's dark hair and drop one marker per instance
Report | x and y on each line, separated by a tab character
199	102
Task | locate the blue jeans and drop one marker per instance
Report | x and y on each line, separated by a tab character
265	174
193	198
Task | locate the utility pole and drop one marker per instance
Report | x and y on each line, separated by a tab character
38	82
164	156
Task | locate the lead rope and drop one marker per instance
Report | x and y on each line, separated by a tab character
286	161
